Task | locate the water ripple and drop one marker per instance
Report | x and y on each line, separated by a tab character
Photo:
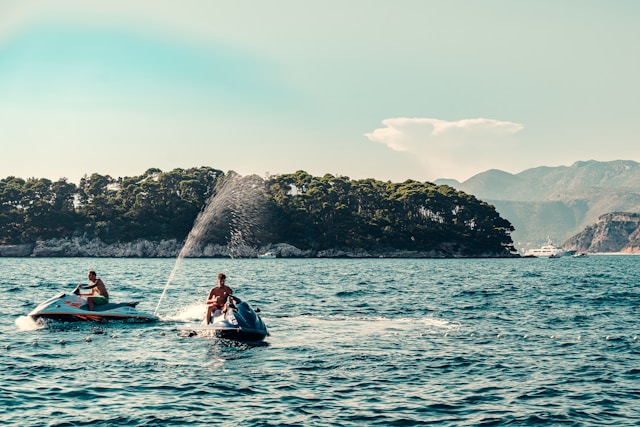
353	343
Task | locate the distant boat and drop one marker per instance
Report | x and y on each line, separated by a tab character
580	255
267	255
548	250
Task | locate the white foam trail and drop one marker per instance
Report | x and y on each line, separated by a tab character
26	323
374	323
189	313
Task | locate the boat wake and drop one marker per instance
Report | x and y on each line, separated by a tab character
26	323
190	313
366	325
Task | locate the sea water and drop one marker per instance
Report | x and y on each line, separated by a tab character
363	342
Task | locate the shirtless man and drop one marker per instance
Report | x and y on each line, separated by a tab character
99	294
217	297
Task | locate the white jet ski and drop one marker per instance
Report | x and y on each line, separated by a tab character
73	308
238	322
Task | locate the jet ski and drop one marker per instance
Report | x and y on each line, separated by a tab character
73	308
237	321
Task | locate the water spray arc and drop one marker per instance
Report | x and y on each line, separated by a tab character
243	199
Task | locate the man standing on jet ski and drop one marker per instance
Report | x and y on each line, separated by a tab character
217	296
99	294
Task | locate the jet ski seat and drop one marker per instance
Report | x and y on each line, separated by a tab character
110	305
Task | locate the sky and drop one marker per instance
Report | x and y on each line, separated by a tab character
390	90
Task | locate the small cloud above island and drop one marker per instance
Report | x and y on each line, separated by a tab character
450	148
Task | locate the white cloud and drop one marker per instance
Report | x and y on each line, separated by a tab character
401	133
451	149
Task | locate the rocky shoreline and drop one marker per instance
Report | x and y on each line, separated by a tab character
95	248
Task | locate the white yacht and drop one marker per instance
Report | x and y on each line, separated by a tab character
267	255
548	250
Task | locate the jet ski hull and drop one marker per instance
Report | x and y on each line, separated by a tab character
72	308
235	334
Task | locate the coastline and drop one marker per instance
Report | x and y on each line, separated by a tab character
95	248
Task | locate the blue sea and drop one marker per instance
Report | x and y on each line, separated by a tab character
354	342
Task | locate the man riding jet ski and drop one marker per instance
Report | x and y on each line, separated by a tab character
228	317
74	307
235	321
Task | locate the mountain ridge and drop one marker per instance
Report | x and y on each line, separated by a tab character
556	201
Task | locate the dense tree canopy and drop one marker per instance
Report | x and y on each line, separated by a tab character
305	211
329	212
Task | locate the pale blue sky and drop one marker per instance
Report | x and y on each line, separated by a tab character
389	90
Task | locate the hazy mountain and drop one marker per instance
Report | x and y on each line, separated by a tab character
557	202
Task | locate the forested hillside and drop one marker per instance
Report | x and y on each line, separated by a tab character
308	212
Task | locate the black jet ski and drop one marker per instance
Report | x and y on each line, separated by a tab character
72	308
237	321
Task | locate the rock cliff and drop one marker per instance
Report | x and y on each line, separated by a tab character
613	232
